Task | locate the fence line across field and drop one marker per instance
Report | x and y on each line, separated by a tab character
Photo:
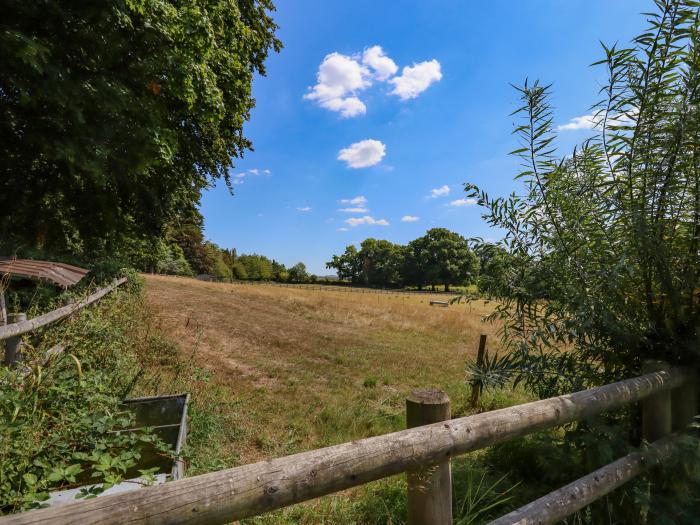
337	288
249	490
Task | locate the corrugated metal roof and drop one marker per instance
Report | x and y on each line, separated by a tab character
61	274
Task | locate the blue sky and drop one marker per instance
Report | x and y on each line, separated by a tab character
441	122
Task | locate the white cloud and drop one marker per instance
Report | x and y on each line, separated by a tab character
463	202
363	154
339	78
357	221
442	191
252	171
594	120
383	66
360	200
409	218
343	229
238	181
354	210
304	208
583	122
415	79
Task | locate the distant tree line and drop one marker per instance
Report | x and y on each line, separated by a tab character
185	251
440	257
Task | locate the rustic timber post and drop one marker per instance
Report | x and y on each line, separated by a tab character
429	488
3	309
476	388
656	409
13	344
684	402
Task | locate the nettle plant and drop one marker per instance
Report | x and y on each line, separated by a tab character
605	241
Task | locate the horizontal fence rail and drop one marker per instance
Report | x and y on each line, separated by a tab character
248	490
29	325
563	502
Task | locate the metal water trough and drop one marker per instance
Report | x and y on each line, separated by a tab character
167	417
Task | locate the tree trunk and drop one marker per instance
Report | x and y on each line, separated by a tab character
447	287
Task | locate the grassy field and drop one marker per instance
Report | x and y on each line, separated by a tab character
275	371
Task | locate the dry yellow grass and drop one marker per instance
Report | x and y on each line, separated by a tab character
295	369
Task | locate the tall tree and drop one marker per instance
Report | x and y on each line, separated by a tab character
495	268
444	257
381	262
348	265
115	115
298	273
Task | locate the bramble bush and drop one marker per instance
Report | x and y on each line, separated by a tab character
60	418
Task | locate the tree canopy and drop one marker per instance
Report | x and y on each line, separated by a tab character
115	115
439	257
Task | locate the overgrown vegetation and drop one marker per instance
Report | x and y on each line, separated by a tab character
57	414
60	417
604	265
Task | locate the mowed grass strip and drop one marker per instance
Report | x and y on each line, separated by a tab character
296	369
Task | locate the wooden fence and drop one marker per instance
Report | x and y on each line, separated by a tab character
339	288
12	333
668	399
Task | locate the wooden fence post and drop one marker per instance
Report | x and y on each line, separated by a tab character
429	488
684	402
476	389
13	344
656	409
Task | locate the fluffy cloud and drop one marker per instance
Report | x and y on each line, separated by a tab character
463	202
304	208
354	210
363	154
409	218
416	78
360	200
338	79
442	191
382	65
357	221
341	78
583	122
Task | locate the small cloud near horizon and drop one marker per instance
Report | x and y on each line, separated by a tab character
463	202
367	220
354	210
360	200
410	218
